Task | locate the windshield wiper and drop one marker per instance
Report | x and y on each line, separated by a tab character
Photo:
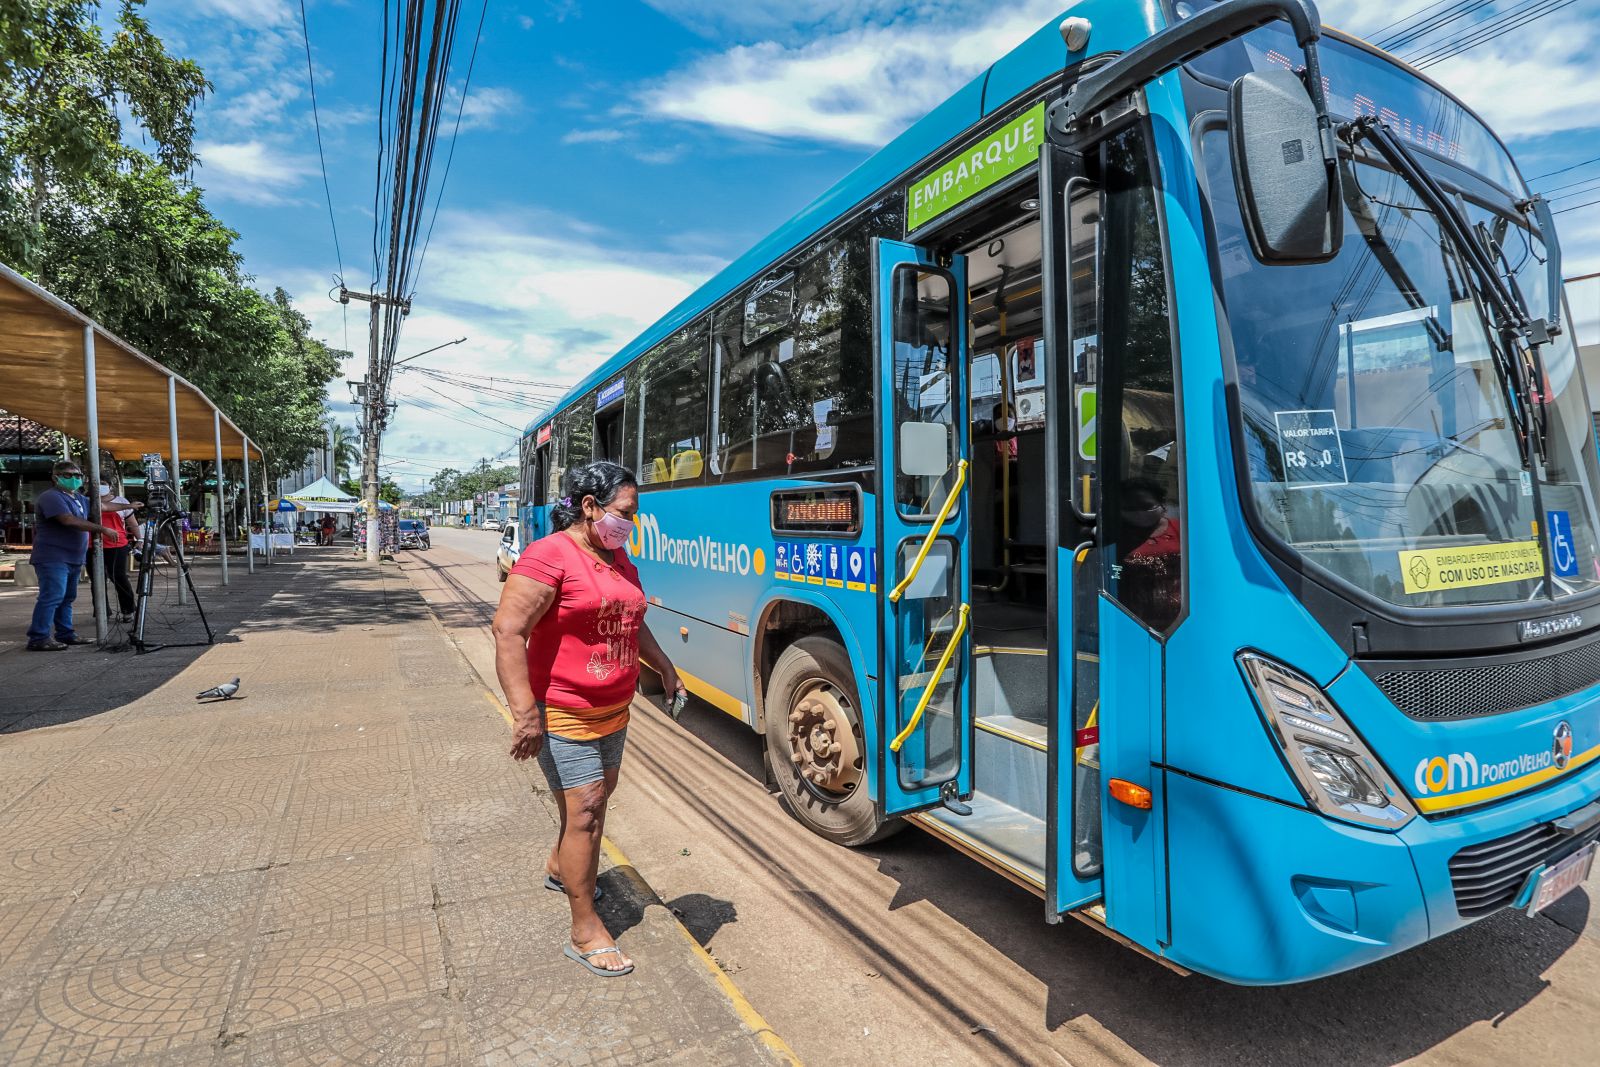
1511	331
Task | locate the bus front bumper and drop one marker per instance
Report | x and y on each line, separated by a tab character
1265	893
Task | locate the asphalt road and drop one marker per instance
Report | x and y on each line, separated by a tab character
908	953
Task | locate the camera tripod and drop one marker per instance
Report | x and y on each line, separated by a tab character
162	534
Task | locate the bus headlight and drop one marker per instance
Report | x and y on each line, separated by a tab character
1333	766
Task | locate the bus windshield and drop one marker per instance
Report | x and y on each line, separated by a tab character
1378	441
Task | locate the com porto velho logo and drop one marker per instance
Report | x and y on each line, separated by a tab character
1463	770
701	553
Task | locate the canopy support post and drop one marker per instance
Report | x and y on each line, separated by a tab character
266	507
97	555
179	501
222	517
249	513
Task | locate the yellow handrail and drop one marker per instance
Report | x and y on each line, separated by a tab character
933	532
933	683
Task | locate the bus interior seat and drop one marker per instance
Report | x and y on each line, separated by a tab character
686	465
658	471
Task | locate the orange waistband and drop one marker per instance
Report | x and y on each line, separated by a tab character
585	724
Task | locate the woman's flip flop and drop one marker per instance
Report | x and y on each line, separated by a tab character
553	883
572	953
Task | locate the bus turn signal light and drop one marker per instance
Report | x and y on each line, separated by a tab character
1135	796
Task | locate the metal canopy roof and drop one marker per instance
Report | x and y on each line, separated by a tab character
42	377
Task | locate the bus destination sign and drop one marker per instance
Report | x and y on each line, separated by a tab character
981	164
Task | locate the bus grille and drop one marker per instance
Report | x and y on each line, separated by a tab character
1465	692
1487	877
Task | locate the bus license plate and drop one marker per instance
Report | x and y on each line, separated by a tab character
1556	882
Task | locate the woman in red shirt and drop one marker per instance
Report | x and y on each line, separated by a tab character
568	635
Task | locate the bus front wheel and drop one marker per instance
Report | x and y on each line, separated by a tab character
816	745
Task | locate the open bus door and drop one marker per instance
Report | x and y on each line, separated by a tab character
925	682
1070	208
538	514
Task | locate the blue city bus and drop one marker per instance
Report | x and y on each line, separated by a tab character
1161	472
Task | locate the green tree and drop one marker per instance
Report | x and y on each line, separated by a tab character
388	490
346	448
64	89
124	236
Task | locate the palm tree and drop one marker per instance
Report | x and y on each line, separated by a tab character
346	451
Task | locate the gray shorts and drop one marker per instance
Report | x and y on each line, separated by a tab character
568	764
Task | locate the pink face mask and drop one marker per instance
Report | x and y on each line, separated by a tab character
613	531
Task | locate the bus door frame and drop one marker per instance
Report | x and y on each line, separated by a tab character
900	537
538	493
1072	609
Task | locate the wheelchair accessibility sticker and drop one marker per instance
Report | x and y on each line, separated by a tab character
1563	550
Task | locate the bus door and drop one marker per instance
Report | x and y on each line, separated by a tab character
1070	208
538	515
925	721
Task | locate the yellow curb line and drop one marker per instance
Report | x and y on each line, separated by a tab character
741	1006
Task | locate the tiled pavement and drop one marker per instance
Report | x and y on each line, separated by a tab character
340	867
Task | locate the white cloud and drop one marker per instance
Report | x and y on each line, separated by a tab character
601	135
250	171
485	107
858	87
254	12
539	298
1536	81
782	19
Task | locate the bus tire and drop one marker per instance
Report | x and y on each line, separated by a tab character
820	768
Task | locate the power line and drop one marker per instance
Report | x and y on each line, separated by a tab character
1563	170
1485	30
1444	18
316	118
1574	207
1575	192
455	134
1373	36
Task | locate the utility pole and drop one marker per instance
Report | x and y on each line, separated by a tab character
374	411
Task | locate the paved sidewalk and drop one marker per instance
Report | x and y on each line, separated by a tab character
341	866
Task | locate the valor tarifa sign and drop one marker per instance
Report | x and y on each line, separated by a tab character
978	166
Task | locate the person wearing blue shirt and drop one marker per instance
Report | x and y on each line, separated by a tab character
60	545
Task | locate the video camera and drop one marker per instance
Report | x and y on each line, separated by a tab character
162	499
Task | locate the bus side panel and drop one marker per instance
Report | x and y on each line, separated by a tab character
714	662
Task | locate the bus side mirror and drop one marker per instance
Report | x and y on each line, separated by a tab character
1288	196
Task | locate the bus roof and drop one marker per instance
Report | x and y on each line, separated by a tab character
1118	24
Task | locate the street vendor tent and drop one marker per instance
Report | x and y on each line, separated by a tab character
323	495
131	405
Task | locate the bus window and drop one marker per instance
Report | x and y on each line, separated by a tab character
672	409
797	397
1141	520
925	383
608	435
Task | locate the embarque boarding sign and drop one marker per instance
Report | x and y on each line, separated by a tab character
978	166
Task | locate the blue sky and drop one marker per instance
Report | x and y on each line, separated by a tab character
613	154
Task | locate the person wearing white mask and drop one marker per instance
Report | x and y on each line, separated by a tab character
569	635
115	513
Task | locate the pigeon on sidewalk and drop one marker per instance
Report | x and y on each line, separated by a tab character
224	691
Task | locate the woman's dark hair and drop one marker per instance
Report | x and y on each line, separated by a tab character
602	480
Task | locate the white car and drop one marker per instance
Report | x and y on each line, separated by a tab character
491	524
510	547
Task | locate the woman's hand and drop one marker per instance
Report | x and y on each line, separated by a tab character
527	737
670	681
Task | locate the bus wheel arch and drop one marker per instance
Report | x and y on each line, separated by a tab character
815	726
